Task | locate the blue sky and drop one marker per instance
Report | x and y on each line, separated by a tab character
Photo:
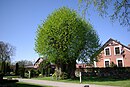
19	20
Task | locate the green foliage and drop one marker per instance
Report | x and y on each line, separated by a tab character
34	73
26	74
44	67
63	36
57	76
22	71
5	67
89	52
115	9
113	64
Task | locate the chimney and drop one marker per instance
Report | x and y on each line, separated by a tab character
129	45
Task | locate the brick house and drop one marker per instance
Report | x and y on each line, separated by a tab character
113	52
39	60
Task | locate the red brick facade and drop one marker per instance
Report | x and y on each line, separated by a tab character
114	52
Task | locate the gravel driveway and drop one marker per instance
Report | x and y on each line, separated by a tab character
57	84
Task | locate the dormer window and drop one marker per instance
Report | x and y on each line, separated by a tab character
117	50
107	51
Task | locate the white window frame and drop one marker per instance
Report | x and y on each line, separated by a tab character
120	59
107	59
115	51
105	51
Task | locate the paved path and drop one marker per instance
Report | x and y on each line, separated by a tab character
57	84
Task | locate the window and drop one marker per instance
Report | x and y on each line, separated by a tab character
107	51
106	63
117	50
120	63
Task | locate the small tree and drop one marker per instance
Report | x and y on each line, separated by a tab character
22	65
7	67
16	69
44	67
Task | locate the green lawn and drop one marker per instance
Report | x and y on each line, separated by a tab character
21	84
12	76
97	81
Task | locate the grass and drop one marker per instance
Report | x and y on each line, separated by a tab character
12	76
21	84
96	81
90	80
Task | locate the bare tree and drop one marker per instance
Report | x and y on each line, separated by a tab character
115	9
25	63
6	52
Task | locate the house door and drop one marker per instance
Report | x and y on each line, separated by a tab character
120	63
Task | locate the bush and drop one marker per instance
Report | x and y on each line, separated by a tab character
26	75
21	72
34	73
61	76
40	75
1	76
12	73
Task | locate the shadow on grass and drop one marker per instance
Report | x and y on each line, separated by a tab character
21	84
28	85
98	79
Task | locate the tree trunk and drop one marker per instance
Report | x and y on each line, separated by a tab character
70	69
72	74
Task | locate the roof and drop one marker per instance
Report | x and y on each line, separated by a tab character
37	60
115	41
44	58
29	66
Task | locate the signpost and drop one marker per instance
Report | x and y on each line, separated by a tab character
80	77
29	74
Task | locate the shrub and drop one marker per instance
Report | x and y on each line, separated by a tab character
34	73
57	76
1	76
26	75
